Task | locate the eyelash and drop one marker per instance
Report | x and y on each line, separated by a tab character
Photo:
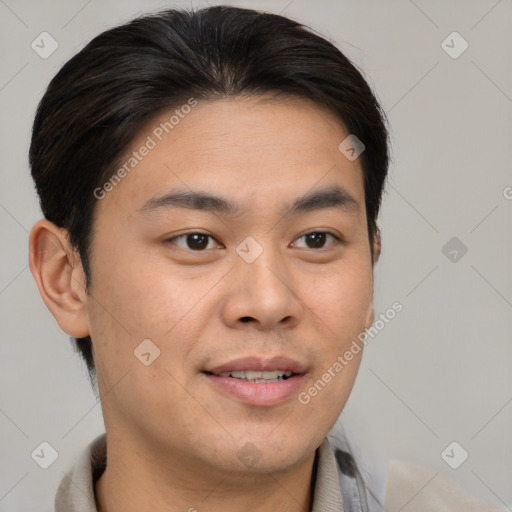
184	235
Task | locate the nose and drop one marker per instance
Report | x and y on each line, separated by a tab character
262	294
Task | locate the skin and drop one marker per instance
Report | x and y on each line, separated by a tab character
173	439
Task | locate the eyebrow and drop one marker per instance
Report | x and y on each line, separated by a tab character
331	197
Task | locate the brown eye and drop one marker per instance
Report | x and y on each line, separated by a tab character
317	239
193	241
197	241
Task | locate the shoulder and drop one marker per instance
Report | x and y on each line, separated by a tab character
75	492
412	487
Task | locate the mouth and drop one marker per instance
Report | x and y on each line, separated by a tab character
255	376
256	381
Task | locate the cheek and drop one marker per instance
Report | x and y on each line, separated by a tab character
137	299
141	294
341	299
340	304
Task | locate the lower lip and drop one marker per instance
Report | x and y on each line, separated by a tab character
258	393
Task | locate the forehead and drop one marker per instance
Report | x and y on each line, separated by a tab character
250	149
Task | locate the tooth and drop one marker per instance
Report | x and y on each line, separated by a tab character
272	375
224	374
246	374
252	375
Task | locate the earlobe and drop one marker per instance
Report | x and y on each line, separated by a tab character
59	276
370	317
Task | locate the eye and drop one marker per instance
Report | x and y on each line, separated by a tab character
317	239
194	241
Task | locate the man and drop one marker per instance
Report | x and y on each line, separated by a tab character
211	183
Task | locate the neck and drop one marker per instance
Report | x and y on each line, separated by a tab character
135	480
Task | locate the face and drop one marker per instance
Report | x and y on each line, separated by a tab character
237	242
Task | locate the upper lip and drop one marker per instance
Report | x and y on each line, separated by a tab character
259	364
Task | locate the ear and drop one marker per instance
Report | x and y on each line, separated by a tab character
370	316
376	245
59	275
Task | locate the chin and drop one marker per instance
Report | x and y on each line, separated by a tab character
261	453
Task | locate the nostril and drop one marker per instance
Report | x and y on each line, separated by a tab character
246	319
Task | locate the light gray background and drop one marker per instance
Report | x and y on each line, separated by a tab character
440	371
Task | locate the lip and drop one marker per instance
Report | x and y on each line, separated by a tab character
258	393
260	364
